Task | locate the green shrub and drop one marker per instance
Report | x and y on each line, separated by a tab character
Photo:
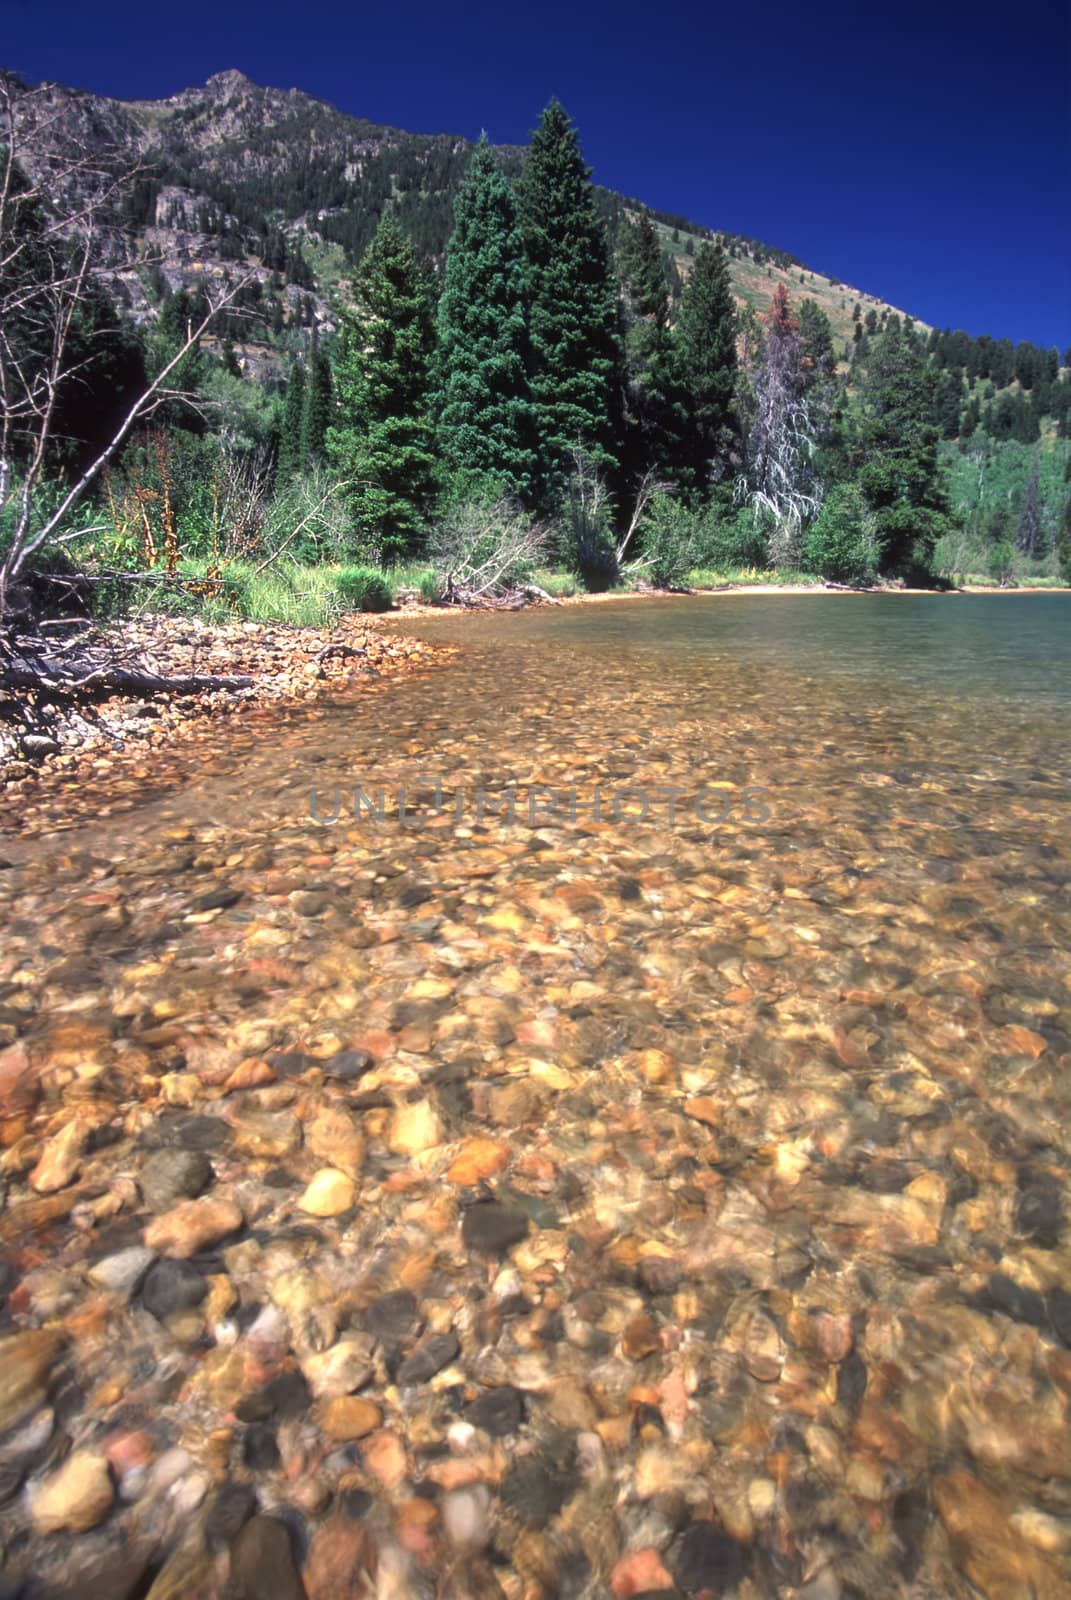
1063	546
559	585
429	588
672	542
1001	561
841	544
365	589
732	539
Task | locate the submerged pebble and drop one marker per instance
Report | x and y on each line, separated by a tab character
523	1211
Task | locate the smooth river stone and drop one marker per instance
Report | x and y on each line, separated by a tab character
60	1158
167	1176
490	1228
346	1417
334	1137
122	1272
192	1226
26	1360
414	1129
329	1193
75	1498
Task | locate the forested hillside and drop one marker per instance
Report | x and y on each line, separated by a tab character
395	358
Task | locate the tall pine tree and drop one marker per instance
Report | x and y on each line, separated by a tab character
706	432
316	409
645	318
897	455
486	414
573	302
290	460
383	438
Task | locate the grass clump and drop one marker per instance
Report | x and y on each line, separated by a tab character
365	589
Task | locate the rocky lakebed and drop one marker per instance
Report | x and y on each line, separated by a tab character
554	1209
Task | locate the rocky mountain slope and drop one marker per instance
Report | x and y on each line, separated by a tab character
274	182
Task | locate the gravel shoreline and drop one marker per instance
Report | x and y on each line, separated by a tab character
289	666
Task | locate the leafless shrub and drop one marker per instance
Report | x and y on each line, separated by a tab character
485	551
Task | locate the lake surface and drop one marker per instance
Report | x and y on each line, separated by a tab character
768	1062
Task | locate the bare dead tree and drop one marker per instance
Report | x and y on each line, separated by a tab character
647	490
780	480
50	258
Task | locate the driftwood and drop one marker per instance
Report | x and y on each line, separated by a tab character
532	591
342	652
83	670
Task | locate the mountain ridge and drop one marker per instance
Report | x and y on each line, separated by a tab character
289	185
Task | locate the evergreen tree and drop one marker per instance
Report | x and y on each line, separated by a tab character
643	273
645	333
486	413
383	440
897	454
704	372
949	403
573	302
818	359
1028	534
290	458
316	406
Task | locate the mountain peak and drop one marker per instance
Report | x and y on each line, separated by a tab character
230	80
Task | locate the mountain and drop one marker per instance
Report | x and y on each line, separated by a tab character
290	189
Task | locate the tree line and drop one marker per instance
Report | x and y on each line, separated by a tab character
560	357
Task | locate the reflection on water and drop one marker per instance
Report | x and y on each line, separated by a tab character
785	1102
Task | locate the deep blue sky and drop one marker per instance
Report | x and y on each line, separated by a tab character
917	151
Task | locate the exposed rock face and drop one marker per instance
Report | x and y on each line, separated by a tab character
232	143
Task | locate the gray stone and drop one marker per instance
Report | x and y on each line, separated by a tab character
170	1175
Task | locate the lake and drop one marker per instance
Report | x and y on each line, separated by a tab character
699	1128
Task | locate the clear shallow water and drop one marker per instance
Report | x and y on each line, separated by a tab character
1015	649
793	1092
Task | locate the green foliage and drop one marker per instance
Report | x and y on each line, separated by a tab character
559	585
819	360
486	414
365	589
315	408
383	442
704	428
735	539
989	480
573	302
243	414
841	544
289	460
673	542
643	272
308	519
1063	544
897	454
644	322
1001	562
584	528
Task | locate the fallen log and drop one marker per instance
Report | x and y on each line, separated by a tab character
105	680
